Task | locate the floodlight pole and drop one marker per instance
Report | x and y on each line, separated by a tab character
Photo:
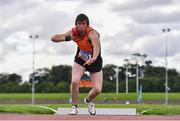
166	71
137	55
33	37
127	62
137	78
117	80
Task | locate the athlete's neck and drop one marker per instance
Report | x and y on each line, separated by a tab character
82	34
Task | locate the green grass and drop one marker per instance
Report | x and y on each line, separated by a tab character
20	96
151	109
65	96
23	109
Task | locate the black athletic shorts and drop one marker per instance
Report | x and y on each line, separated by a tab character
94	67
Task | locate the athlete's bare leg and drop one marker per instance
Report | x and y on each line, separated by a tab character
97	79
77	72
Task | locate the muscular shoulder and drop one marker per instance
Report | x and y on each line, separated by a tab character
93	34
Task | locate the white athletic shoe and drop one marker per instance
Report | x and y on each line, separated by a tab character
74	111
91	107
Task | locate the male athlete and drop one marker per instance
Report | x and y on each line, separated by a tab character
87	58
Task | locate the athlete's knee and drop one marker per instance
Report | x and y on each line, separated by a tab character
75	82
98	90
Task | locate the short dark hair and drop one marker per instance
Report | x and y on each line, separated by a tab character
82	17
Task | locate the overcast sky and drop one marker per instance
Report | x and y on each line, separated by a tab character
125	26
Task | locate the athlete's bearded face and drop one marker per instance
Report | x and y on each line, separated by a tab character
82	27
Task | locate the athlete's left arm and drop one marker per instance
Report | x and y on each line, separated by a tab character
94	38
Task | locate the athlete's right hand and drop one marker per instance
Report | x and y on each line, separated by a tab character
89	61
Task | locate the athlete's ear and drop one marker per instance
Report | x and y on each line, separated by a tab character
75	31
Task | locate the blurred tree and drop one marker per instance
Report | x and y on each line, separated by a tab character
60	73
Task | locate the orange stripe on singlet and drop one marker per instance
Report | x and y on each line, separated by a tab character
84	43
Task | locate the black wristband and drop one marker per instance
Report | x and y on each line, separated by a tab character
67	38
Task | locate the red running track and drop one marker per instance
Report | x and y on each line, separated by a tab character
20	117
